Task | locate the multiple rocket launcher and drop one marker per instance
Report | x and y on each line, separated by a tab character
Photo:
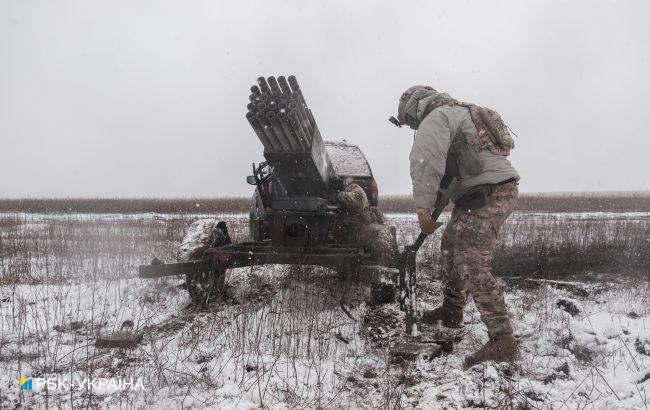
293	145
280	117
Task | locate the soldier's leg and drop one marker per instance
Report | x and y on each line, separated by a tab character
483	227
455	281
473	256
488	296
455	286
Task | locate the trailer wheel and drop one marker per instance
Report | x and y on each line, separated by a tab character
381	293
205	287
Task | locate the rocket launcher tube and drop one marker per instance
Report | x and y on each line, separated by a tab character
261	81
274	98
279	132
294	106
250	116
293	82
273	83
286	127
298	129
268	131
296	89
284	85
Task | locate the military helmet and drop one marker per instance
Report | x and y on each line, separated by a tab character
402	108
354	199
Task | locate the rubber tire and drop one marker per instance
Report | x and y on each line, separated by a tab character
205	287
381	293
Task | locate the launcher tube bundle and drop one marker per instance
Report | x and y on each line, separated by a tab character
280	117
283	122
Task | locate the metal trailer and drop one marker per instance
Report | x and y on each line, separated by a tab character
276	239
205	277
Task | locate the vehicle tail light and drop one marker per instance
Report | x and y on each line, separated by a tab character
374	190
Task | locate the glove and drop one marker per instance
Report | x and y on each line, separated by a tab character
427	224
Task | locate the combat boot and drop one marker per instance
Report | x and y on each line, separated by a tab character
502	348
450	316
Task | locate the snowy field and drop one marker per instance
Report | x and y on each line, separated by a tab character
280	338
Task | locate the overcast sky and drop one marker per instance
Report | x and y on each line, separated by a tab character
147	98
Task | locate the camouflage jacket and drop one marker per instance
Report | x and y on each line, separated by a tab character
441	120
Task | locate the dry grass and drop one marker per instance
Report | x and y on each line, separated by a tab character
42	248
558	247
59	248
555	245
571	202
127	205
567	202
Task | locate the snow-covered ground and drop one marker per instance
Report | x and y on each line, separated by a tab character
287	343
281	339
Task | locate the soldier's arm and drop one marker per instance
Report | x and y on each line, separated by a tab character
429	157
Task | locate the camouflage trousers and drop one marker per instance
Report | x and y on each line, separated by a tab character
467	245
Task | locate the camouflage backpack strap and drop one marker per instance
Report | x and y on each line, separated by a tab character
439	102
493	134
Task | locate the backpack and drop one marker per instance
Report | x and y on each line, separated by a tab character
493	134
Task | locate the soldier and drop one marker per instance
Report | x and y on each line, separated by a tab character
365	225
471	143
